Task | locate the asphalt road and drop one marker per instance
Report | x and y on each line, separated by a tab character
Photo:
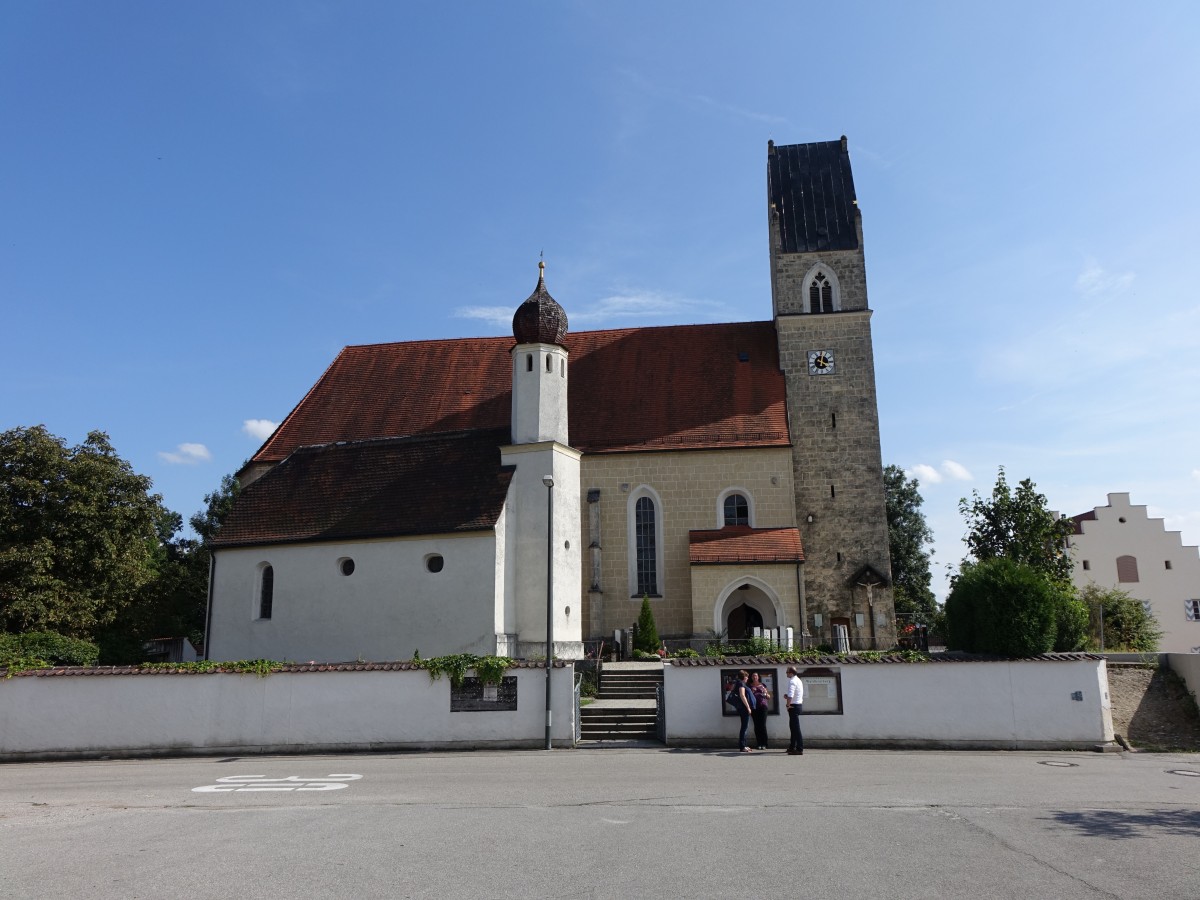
613	822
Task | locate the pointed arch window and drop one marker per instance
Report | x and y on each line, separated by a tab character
266	592
820	294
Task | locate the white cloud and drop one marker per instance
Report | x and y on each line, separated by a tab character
1095	280
186	455
956	471
1196	474
925	474
259	429
493	315
635	304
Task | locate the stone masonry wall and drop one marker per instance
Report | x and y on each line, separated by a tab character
688	484
838	470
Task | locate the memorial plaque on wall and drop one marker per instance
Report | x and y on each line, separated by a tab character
475	696
770	677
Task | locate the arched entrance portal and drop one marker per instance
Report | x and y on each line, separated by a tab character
747	606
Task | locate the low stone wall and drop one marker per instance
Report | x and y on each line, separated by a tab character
64	713
1051	702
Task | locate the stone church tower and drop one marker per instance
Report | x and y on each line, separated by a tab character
823	321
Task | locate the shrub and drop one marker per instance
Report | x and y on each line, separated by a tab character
646	636
1003	607
686	653
755	646
55	649
1127	624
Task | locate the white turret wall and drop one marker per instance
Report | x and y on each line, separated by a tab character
539	396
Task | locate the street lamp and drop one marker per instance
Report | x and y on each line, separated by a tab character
548	481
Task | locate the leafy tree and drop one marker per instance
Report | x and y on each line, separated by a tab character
81	535
1126	623
47	647
174	604
908	536
1017	524
646	636
1004	607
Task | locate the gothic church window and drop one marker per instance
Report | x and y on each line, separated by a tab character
820	294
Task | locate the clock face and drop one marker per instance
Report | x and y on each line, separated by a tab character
820	362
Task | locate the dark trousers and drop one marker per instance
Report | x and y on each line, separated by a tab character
745	717
797	739
760	726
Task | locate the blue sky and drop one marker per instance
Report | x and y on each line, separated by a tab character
200	204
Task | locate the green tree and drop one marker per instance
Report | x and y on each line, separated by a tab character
646	636
1017	524
1003	607
1127	625
175	603
908	538
80	533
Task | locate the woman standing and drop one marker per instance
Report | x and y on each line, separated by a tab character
762	701
743	705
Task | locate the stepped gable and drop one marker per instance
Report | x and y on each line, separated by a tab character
742	544
381	488
811	190
673	387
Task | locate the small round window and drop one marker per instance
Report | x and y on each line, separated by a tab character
347	566
434	562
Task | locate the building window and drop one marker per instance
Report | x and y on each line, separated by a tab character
1192	608
528	362
434	563
820	294
346	565
1167	564
1127	569
1087	566
737	510
644	530
647	555
266	592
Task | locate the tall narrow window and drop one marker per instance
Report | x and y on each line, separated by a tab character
647	553
737	510
266	592
528	362
820	294
1192	609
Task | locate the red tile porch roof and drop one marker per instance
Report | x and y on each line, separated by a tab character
741	544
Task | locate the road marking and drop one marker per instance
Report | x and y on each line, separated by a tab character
261	783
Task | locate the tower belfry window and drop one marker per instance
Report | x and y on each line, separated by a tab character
820	294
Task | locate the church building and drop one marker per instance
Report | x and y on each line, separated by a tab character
463	495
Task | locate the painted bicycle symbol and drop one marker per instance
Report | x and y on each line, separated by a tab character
261	783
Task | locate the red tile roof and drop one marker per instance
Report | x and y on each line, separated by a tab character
384	488
741	544
675	387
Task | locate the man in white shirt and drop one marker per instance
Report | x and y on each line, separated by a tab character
795	703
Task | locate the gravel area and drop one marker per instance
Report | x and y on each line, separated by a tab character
1152	709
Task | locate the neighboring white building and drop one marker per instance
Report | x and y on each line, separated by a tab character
1119	546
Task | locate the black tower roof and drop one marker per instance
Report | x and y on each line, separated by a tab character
812	191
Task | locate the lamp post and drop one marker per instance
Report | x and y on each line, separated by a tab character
548	481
